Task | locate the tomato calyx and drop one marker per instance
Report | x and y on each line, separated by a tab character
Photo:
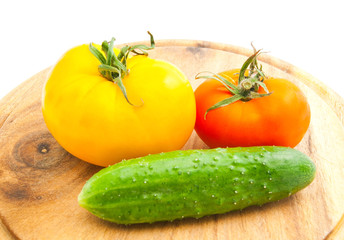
114	67
251	77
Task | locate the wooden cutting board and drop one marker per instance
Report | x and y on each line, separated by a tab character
39	181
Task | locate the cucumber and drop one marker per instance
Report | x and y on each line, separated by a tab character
195	183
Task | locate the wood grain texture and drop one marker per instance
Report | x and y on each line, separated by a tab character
40	181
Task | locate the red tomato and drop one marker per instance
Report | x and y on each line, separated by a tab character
281	118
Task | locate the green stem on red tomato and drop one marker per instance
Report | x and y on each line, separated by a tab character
114	68
248	84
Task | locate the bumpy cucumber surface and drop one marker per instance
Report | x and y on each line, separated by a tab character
195	183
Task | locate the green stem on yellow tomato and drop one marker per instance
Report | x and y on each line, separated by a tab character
114	67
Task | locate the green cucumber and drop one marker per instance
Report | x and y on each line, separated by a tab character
195	183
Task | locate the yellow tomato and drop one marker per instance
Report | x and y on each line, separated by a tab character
90	117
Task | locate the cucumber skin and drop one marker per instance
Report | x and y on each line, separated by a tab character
195	183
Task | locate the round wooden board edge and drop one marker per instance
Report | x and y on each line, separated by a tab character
333	100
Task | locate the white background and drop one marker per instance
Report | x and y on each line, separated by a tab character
307	34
